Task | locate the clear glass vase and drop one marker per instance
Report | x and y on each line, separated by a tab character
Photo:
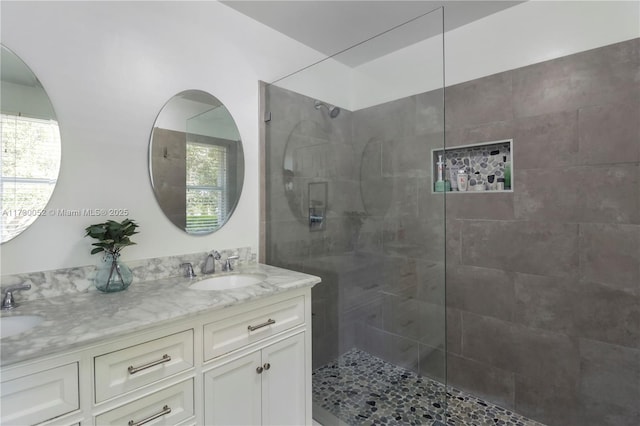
112	274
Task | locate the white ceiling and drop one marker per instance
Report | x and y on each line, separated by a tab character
331	26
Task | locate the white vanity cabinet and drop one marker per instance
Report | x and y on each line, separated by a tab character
236	331
146	371
284	382
264	387
130	368
247	364
168	406
39	392
258	365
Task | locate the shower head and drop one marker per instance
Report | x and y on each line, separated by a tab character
333	110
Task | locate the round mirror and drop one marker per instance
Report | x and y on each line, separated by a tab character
196	162
311	166
29	147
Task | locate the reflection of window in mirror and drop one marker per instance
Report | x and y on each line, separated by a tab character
30	154
209	182
206	180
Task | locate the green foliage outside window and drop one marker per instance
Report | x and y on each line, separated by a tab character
206	182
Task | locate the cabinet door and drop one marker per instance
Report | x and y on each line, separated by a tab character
283	383
232	392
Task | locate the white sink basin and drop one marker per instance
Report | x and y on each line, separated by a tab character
10	326
226	282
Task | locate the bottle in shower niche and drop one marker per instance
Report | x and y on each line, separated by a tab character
441	185
507	173
463	180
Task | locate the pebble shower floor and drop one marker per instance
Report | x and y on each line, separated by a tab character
361	389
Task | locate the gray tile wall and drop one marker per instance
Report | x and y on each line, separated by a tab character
318	149
169	156
383	269
396	139
543	285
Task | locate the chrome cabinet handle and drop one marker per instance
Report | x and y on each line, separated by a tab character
264	324
165	410
134	370
267	366
259	370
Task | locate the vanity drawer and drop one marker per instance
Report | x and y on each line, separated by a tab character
232	333
130	368
169	406
41	396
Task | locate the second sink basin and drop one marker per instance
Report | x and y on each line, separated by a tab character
10	326
227	282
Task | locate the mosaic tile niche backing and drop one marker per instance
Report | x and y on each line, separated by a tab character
483	163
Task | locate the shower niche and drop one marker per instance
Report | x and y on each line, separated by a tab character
479	167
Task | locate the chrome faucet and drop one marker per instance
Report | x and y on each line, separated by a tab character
7	300
227	263
188	270
210	262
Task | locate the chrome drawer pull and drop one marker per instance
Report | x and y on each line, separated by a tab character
134	370
165	410
264	324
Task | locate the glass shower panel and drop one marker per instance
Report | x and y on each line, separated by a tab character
349	196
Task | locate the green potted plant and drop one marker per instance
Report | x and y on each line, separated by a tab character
112	236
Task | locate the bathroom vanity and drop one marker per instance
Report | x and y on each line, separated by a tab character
162	353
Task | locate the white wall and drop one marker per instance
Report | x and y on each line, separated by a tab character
108	68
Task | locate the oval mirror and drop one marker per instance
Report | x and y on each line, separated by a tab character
196	162
311	166
29	146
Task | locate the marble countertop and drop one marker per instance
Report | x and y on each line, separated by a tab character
76	320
